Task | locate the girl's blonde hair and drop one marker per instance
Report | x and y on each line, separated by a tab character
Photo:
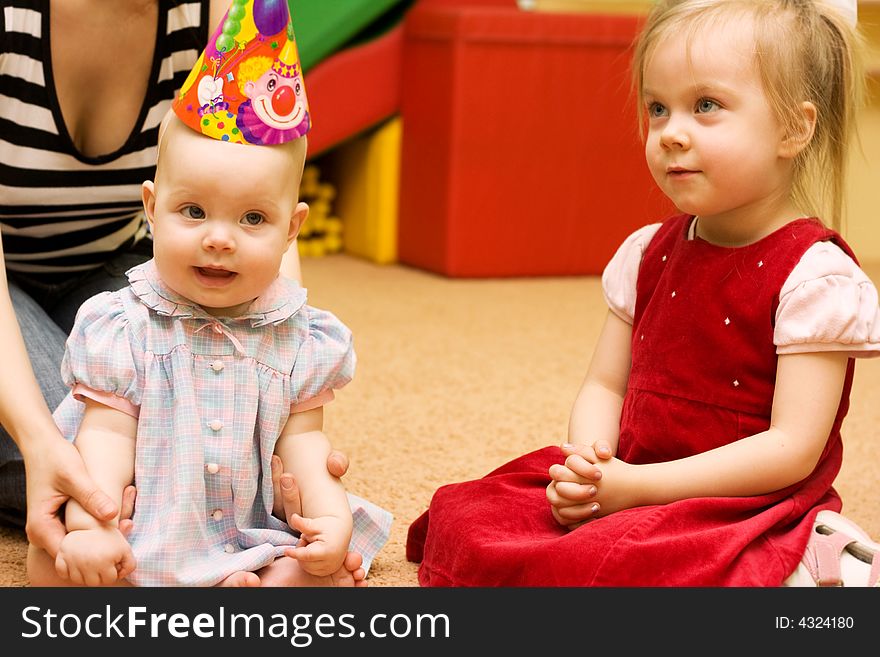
805	51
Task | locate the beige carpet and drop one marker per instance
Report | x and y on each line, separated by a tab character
457	376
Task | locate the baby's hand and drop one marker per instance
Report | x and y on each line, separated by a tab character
323	544
94	557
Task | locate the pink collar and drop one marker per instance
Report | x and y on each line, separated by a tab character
279	302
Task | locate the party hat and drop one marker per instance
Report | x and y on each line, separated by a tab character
247	85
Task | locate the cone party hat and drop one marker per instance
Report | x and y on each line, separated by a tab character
247	85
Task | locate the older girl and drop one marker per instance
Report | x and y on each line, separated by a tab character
706	436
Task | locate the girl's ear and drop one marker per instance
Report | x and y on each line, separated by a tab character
297	219
148	196
805	126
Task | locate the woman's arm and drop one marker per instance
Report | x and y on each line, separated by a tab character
290	267
55	471
216	12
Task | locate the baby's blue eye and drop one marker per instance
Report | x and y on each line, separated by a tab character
705	105
193	212
253	219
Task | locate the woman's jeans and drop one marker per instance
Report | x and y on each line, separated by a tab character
46	313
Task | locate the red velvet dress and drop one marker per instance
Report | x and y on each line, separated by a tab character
703	374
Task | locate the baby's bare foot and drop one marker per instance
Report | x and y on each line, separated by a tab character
242	578
287	571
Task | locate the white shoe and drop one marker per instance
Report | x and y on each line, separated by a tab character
839	553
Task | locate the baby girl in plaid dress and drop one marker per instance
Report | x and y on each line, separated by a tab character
190	379
209	366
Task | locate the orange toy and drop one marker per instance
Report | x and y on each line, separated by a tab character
520	152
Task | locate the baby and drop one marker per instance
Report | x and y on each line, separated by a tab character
190	379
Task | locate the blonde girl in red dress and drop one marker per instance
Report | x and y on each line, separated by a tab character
707	434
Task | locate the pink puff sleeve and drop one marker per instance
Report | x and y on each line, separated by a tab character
325	361
828	304
99	362
621	272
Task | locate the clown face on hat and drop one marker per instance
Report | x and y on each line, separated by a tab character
247	85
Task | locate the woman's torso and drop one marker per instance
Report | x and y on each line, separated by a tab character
70	175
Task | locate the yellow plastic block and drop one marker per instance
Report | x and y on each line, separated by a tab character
321	234
366	174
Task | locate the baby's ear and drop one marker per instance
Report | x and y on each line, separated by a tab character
802	131
148	196
297	219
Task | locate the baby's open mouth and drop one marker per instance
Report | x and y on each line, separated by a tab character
213	272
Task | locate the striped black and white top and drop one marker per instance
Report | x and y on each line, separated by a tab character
62	212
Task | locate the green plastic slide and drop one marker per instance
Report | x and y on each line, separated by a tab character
324	26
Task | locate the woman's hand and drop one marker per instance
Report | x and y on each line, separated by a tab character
286	500
55	474
127	510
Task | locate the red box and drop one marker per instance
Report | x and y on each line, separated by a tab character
521	154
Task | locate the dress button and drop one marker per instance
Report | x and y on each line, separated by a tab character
215	425
212	468
217	365
228	548
217	515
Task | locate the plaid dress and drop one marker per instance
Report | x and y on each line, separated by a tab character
211	396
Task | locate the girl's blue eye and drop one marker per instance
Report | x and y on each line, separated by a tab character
193	212
705	105
656	110
253	219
